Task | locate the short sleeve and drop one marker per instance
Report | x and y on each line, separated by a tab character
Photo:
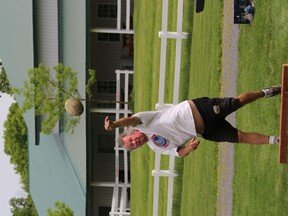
147	116
172	151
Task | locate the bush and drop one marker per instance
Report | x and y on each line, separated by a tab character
22	206
16	144
61	209
4	83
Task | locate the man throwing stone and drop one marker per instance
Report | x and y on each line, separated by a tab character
174	130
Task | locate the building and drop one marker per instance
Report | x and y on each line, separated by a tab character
87	34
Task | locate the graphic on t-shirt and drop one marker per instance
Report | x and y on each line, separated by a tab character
160	141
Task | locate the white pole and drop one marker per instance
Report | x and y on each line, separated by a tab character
156	184
126	114
170	186
177	71
178	53
118	14
116	141
123	200
179	16
163	53
114	199
127	14
117	104
119	213
126	94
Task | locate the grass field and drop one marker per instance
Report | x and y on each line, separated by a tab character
200	73
260	183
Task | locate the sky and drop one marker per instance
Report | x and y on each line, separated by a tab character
9	181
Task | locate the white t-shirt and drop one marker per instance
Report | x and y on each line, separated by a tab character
169	128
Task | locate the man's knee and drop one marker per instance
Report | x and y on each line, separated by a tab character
242	137
242	99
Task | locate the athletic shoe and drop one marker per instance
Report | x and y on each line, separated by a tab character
272	91
274	139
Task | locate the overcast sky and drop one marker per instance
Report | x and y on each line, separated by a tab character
9	181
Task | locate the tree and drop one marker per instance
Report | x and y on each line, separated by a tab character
22	206
47	92
16	144
61	209
4	83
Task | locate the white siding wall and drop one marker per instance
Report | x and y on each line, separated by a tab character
47	36
47	25
105	58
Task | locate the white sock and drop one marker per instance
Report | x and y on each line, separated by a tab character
265	91
274	140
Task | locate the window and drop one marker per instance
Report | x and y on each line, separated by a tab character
105	105
106	143
107	10
107	91
108	37
106	87
104	210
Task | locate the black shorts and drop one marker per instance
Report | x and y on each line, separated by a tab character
214	112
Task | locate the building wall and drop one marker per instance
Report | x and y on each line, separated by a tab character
57	170
100	53
103	158
73	53
56	174
105	58
113	52
16	46
46	27
97	22
53	176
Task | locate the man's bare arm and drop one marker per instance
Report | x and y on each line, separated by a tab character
123	122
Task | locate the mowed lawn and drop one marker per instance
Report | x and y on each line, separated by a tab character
260	182
196	187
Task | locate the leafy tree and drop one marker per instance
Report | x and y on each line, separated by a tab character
22	206
61	209
47	92
15	143
4	83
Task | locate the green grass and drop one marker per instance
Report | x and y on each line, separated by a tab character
195	190
199	191
260	182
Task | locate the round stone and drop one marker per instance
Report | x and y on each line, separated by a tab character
74	107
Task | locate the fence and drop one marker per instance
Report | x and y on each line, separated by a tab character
121	209
120	202
118	30
164	35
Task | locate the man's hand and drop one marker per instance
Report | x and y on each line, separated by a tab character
108	125
191	146
122	122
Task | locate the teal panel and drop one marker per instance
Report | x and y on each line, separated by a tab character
57	169
73	54
53	177
16	46
16	38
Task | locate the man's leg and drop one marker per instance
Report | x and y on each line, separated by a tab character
223	131
249	97
256	138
